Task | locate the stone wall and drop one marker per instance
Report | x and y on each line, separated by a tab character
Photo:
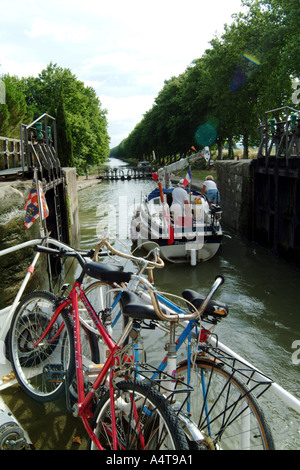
235	183
71	197
13	197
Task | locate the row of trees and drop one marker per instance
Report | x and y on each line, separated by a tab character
81	122
223	95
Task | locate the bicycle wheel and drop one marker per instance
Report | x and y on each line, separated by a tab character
229	416
144	420
41	371
105	302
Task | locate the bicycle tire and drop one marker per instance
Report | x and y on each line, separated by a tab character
41	372
156	428
222	417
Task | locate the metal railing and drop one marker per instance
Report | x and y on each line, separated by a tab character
280	134
36	148
11	155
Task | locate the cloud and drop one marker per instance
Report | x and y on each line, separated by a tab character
59	30
22	69
128	107
125	50
124	113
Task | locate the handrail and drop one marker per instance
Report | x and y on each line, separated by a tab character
12	157
38	119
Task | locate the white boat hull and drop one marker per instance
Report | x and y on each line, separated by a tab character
179	252
193	240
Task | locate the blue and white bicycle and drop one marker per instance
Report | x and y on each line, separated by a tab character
223	403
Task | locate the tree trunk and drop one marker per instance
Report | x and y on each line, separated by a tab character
230	149
246	146
220	150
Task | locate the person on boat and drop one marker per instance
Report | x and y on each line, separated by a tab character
180	202
211	190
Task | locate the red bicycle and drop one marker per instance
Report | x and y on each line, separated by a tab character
52	353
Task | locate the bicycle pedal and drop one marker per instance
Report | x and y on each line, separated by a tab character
54	373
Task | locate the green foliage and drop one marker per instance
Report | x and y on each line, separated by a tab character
15	110
81	122
244	73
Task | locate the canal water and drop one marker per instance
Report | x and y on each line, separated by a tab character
263	322
260	289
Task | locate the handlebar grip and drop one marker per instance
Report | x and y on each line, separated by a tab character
220	279
45	249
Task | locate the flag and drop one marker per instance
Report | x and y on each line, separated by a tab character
187	179
32	206
155	176
171	229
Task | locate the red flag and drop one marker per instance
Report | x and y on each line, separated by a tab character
32	206
155	176
171	237
171	229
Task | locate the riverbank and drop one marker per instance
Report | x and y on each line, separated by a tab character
84	182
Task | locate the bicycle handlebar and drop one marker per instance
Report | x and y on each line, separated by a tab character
105	242
79	255
177	317
159	263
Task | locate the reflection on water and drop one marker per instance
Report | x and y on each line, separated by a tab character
107	208
261	291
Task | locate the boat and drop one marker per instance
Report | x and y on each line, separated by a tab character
185	238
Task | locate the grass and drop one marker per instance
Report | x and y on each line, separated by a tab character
198	175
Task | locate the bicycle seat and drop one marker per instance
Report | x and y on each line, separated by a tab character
133	306
104	272
215	308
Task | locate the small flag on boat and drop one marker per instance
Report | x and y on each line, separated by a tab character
155	176
187	179
32	206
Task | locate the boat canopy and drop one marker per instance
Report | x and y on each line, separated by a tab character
156	193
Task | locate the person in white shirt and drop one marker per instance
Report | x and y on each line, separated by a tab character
211	191
180	202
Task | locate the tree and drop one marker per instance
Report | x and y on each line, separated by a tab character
224	94
81	122
64	137
15	110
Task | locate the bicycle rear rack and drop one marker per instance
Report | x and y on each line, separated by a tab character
166	384
256	382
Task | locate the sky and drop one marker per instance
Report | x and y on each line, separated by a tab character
125	50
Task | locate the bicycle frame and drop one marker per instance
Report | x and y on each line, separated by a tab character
186	333
84	401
